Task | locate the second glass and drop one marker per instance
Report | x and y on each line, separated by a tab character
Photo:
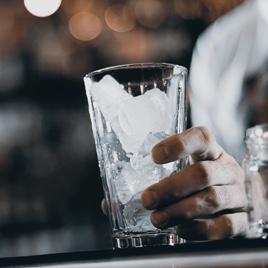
132	108
255	165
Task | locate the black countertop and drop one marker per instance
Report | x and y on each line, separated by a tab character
233	252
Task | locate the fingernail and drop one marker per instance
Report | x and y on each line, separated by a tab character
159	153
149	199
160	219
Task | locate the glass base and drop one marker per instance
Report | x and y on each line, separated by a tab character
136	240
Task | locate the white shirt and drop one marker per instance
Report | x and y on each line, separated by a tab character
234	47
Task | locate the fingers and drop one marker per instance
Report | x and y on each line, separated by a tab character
197	142
208	195
200	205
188	181
221	227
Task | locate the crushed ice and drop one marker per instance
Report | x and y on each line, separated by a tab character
139	123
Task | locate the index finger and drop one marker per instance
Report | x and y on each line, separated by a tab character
197	142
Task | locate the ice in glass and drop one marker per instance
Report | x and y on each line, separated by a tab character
132	108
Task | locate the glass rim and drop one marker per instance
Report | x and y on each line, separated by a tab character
137	65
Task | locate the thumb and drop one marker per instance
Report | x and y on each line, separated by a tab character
197	142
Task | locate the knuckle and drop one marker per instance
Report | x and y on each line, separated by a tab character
231	170
203	169
213	198
180	143
237	171
204	134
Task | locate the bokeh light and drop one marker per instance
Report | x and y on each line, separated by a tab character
150	13
134	46
42	8
119	18
71	7
85	26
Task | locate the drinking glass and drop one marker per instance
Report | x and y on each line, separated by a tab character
133	107
255	165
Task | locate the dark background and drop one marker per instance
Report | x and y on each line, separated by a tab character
50	189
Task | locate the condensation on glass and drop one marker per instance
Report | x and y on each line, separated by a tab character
132	107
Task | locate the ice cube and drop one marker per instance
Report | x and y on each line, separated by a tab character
134	177
137	218
130	181
131	118
142	161
141	171
141	115
125	182
109	95
150	141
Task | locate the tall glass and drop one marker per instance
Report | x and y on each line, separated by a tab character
133	107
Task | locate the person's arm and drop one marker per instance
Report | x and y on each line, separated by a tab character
225	54
207	199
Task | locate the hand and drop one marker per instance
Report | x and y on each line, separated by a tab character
207	199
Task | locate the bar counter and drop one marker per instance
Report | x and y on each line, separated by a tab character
228	253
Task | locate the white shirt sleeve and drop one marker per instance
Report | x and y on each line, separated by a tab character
235	46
